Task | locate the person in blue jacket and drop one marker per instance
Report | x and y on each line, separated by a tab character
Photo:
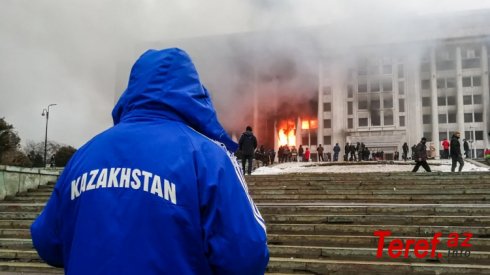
157	193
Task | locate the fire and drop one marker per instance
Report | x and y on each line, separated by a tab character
287	133
309	124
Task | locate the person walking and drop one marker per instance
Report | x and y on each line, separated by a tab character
247	143
159	192
455	152
445	146
421	156
466	147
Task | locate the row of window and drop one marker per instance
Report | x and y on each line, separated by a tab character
468	81
451	100
470	135
363	122
451	118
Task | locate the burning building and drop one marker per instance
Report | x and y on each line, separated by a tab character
325	86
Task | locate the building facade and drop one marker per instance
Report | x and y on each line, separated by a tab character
387	95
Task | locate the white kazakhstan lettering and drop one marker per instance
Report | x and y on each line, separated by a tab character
124	178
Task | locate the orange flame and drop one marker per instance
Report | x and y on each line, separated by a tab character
287	133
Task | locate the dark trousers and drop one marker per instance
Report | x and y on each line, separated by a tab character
455	160
244	160
422	163
446	153
320	157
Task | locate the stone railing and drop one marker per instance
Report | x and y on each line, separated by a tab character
17	179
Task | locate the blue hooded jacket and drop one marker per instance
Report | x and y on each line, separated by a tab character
158	193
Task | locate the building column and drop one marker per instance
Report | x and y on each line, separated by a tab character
320	103
486	95
339	110
413	117
434	109
459	93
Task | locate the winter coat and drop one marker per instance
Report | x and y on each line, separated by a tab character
154	194
320	150
336	148
455	150
405	147
466	146
248	143
420	152
300	151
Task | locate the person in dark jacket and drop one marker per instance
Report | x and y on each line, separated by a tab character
157	193
466	148
455	151
320	152
336	151
421	156
247	144
405	151
300	153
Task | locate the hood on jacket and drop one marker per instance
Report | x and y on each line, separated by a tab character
165	83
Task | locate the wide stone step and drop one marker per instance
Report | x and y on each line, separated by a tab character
18	215
377	219
21	207
29	268
369	267
26	199
15	233
375	209
36	193
368	230
370	254
375	197
369	187
19	255
371	193
478	244
15	224
16	243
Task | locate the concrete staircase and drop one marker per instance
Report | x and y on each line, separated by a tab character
325	223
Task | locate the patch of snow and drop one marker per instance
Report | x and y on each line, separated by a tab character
328	167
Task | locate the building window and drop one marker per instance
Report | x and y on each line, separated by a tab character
401	87
400	71
450	82
478	117
442	135
468	134
478	135
468	117
375	118
426	84
470	63
451	118
401	105
350	91
428	136
374	85
349	108
441	101
467	100
363	121
388	102
327	107
402	121
327	123
362	104
350	123
476	81
425	101
387	85
445	65
362	88
375	103
441	83
442	118
451	100
426	119
477	99
327	90
467	81
388	118
327	140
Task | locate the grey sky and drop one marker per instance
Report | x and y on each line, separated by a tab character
70	52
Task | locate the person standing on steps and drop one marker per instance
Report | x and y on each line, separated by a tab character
247	144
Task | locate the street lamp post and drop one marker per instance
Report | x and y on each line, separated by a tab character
46	113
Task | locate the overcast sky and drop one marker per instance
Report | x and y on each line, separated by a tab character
71	52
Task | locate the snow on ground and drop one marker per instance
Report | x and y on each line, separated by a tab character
328	167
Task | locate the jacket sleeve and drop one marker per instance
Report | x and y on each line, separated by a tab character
45	231
234	232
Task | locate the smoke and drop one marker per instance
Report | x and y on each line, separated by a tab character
78	53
